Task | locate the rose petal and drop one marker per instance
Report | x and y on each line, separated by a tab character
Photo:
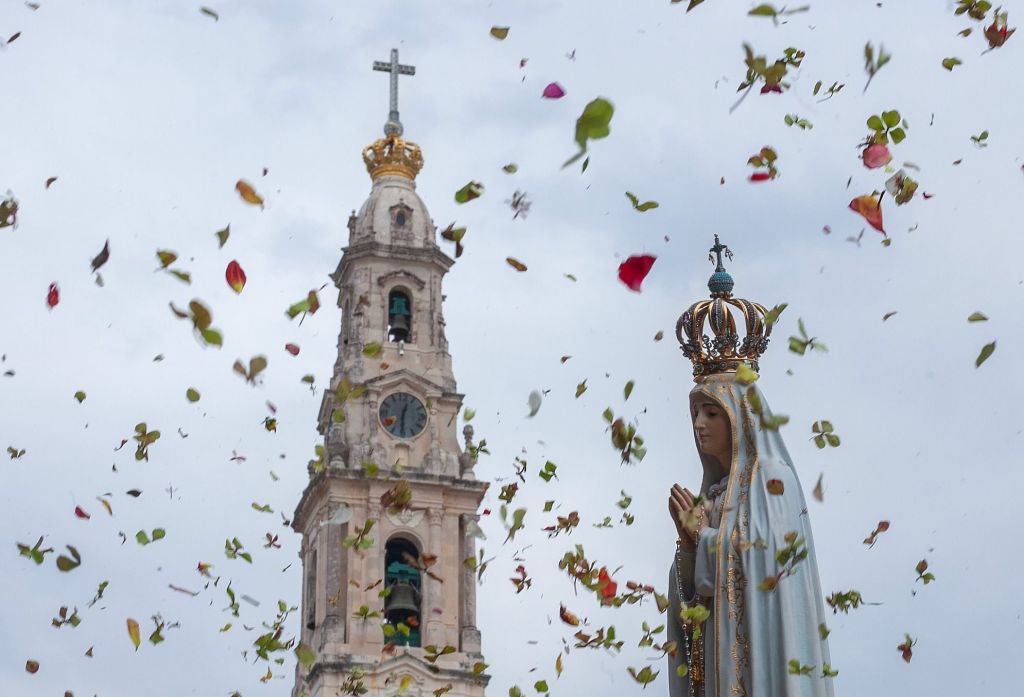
52	296
553	91
235	276
634	270
869	206
876	155
760	176
292	349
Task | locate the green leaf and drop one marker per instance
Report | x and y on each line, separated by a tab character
986	351
223	235
80	396
159	534
510	168
875	123
166	257
627	390
897	134
772	316
212	337
68	563
499	33
469	192
745	375
977	317
764	10
949	63
142	537
201	316
306	655
181	275
594	122
581	388
541	686
209	13
297	309
192	394
891	118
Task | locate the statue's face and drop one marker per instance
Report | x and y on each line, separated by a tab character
711	425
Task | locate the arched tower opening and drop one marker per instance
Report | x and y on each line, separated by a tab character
402	606
399	315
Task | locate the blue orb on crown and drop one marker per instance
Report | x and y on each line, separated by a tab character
720	282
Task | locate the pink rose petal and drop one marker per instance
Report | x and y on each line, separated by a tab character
553	91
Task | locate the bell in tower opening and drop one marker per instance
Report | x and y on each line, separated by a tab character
399	316
402	604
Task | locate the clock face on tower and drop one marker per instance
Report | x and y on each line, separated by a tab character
403	415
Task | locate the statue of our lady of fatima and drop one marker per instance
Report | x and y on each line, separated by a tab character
745	599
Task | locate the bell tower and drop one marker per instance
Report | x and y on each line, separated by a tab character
390	511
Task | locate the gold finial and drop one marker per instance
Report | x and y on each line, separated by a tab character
393	155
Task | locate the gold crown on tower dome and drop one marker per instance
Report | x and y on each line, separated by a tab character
393	155
724	351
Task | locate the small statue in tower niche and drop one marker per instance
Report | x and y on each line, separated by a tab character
442	340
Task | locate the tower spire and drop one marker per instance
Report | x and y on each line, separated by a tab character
394	125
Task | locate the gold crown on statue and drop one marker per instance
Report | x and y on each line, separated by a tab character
725	351
393	155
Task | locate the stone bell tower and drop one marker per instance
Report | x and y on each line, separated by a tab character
390	511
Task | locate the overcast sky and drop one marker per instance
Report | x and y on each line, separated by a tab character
148	113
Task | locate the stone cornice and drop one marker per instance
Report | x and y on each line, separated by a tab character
449	483
374	249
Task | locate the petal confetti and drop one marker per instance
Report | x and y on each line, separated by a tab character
235	276
553	91
634	270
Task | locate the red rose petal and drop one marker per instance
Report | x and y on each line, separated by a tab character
292	349
235	276
760	176
52	296
634	270
80	512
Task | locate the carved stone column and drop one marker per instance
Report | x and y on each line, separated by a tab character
469	635
335	578
374	569
432	598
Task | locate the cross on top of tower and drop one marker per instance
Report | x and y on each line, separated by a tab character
394	126
717	251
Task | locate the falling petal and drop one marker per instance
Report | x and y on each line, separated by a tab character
248	193
876	155
634	270
235	276
869	206
553	91
52	296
